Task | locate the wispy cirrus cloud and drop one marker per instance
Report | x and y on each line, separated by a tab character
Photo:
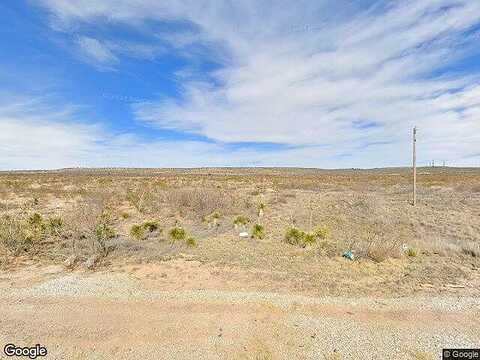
95	50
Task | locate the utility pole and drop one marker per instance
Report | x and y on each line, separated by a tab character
414	166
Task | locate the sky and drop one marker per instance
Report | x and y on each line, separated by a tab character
197	83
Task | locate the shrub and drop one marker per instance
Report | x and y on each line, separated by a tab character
298	237
200	201
137	232
322	232
151	226
13	235
258	231
294	236
36	227
35	220
191	242
241	220
309	239
103	232
177	233
55	224
411	252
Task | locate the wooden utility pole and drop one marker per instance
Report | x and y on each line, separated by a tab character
414	166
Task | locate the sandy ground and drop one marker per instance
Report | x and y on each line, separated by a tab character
144	312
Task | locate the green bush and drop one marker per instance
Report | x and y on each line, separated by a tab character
309	239
55	225
137	232
258	231
322	232
151	226
241	220
191	242
36	228
298	237
177	233
294	236
36	220
14	236
411	252
104	231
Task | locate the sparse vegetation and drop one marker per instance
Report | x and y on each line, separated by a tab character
151	226
191	242
258	231
364	211
55	224
103	232
241	220
141	232
322	232
177	234
412	252
13	235
138	232
295	236
200	202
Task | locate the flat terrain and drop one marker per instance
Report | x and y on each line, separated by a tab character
140	314
149	264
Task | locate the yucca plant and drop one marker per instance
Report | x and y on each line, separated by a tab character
258	231
177	233
137	232
241	220
294	236
191	242
151	226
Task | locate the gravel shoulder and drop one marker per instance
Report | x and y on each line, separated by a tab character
105	315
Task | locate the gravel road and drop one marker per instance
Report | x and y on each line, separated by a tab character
116	316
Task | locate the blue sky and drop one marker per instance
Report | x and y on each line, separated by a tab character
220	83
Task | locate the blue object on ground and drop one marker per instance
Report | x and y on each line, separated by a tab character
349	255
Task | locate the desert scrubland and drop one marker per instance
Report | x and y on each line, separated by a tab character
84	253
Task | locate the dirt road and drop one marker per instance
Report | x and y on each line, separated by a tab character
105	315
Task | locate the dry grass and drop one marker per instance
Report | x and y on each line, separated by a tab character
89	213
420	355
200	202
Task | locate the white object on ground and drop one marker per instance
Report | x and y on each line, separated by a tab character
243	234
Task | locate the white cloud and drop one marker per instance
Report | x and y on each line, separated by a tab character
41	134
97	51
306	74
